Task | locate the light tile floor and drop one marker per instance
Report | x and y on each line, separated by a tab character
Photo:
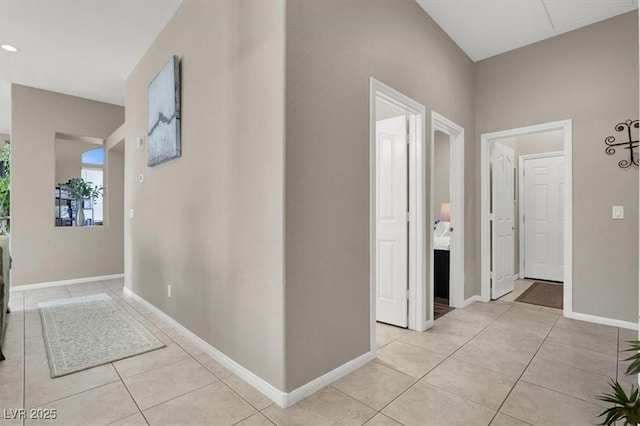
498	363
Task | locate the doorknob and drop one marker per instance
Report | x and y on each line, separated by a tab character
451	229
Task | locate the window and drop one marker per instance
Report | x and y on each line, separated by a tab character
93	171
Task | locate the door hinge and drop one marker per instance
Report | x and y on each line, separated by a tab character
408	216
491	216
408	298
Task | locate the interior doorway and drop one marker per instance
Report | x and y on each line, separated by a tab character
446	255
526	206
397	218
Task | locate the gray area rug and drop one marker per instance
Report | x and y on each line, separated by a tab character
84	332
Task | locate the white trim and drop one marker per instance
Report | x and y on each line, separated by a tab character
521	202
456	194
471	300
485	267
417	281
283	399
315	385
603	320
66	282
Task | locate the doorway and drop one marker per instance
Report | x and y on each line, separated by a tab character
397	218
446	257
526	215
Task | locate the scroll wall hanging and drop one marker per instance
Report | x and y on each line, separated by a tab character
629	145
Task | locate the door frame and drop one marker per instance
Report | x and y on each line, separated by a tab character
485	243
456	199
417	262
521	190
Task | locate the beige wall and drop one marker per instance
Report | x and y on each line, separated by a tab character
114	186
333	48
210	223
41	252
441	170
591	77
4	139
68	157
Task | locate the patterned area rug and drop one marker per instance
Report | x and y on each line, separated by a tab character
543	294
84	332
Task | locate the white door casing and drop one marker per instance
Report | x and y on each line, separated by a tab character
543	183
503	214
391	221
457	198
486	140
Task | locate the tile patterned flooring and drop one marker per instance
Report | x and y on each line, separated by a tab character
498	363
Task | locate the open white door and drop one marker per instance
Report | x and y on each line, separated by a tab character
391	220
502	208
544	218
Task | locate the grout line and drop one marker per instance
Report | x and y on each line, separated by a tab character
79	392
130	395
618	356
523	371
24	358
259	413
561	393
446	358
178	396
220	379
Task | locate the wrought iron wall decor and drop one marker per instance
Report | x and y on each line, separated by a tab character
630	144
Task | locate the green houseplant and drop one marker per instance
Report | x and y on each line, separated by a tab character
80	190
627	407
5	188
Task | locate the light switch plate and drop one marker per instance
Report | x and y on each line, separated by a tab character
141	178
130	213
617	212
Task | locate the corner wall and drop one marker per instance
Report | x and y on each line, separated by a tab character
42	252
333	48
590	76
210	223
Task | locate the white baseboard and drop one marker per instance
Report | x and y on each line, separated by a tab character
470	300
315	385
283	399
65	282
603	320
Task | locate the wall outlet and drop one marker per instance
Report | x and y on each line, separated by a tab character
141	178
617	212
169	291
130	213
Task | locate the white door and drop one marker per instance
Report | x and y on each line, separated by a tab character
544	218
392	233
503	224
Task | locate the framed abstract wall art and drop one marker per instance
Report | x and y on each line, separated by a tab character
163	119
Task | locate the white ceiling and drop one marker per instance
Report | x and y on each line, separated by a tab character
88	48
85	48
485	28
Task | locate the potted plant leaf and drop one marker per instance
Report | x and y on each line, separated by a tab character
627	407
80	190
5	188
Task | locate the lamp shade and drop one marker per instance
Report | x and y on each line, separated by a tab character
445	212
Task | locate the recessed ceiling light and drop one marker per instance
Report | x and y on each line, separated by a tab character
9	48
